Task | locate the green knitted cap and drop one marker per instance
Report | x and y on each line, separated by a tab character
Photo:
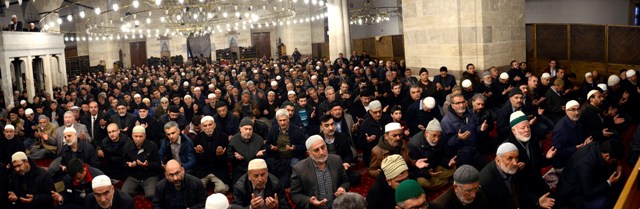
407	190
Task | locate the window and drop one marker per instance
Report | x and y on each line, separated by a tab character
636	15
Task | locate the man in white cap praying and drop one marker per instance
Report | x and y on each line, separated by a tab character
427	146
211	154
30	186
10	143
217	201
506	188
394	172
74	148
106	196
568	135
259	189
318	179
391	143
420	113
142	164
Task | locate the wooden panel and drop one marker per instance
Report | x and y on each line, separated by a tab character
631	193
398	46
384	47
582	67
138	52
71	52
587	43
357	45
369	45
262	43
552	41
623	45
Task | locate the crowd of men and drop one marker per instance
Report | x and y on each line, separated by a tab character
258	128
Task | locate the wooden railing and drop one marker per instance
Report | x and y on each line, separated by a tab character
630	195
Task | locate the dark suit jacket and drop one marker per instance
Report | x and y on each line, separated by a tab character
584	177
12	27
304	183
99	132
130	122
494	186
120	201
243	189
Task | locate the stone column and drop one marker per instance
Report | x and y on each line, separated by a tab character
17	74
28	72
454	33
45	65
48	79
339	38
7	88
47	6
62	67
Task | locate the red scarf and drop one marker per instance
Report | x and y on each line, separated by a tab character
87	178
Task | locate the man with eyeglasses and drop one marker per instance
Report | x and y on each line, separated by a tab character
409	195
428	146
178	189
45	144
391	143
370	131
466	193
30	186
461	132
568	136
105	196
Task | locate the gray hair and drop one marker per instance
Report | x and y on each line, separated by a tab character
68	112
478	96
164	99
170	124
350	200
282	112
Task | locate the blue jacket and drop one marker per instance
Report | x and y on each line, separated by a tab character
466	149
566	135
187	152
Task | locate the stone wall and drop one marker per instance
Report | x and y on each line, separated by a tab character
454	33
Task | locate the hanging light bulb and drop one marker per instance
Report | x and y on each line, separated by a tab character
59	21
148	20
158	2
82	14
69	18
136	3
237	14
115	7
6	3
224	14
181	1
19	2
97	10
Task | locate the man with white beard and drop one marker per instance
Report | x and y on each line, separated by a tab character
529	147
466	192
428	145
70	122
504	185
106	196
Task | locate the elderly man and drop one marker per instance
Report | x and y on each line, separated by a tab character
409	194
211	157
244	147
505	187
70	122
30	186
217	201
371	130
391	143
394	172
15	24
466	193
142	164
427	145
9	144
532	155
590	175
105	196
178	189
177	146
75	148
461	132
45	143
259	189
111	151
568	135
350	200
420	113
285	141
77	184
317	180
514	103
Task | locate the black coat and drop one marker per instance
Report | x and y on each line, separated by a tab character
449	200
584	177
149	153
343	147
129	122
120	201
208	162
296	137
243	189
85	152
533	163
381	195
99	132
35	182
494	186
193	193
8	147
593	122
436	156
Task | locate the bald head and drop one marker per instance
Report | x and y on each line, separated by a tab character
174	173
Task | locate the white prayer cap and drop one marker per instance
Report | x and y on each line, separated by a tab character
69	130
206	118
392	126
434	125
517	117
591	93
588	74
255	71
211	96
257	164
545	75
28	111
504	76
312	140
313	77
139	129
429	102
613	80
375	104
291	93
136	96
602	86
217	201
275	65
630	72
100	181
317	67
466	83
571	104
211	86
278	77
182	74
74	108
187	96
506	147
372	63
196	89
9	126
18	156
186	83
23	102
161	79
274	83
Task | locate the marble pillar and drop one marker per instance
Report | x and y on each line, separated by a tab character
28	74
7	88
62	67
454	33
48	74
339	38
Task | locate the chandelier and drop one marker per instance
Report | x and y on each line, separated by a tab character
156	18
369	14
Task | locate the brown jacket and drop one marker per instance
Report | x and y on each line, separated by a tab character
50	144
382	150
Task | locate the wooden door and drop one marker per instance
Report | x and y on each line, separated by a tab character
138	52
262	42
